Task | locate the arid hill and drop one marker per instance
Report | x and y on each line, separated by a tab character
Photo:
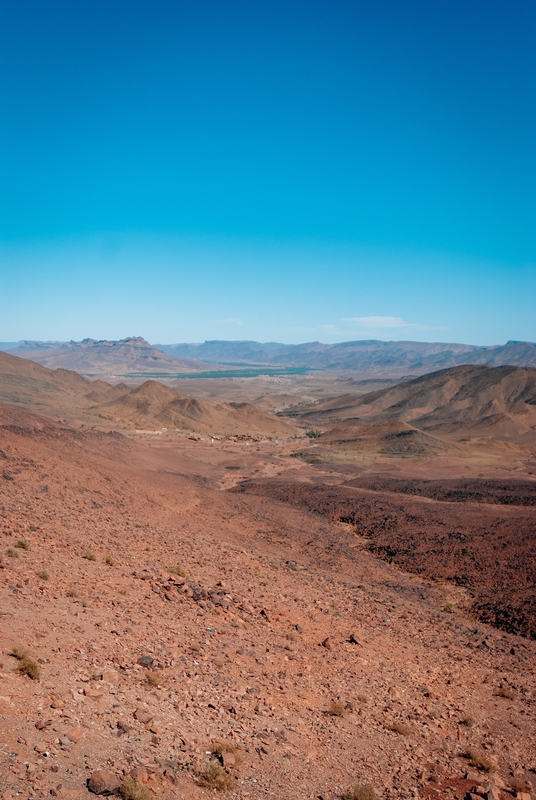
391	437
154	405
168	638
93	357
498	402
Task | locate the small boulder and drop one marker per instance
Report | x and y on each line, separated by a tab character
328	643
143	716
353	639
146	661
102	781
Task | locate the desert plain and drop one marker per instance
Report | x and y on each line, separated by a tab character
294	586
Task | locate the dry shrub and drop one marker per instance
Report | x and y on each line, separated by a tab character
479	760
215	777
43	574
362	698
219	748
508	694
399	727
12	553
109	561
362	791
73	593
122	591
469	722
22	544
133	789
177	570
336	709
27	665
89	555
151	678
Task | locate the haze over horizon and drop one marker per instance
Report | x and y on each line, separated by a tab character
277	172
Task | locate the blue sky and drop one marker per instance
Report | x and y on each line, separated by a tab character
270	170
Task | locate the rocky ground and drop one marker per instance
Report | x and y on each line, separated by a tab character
175	626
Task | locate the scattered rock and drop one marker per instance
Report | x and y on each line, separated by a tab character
328	643
102	781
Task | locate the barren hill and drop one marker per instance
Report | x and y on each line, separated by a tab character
492	401
154	405
89	356
393	437
188	639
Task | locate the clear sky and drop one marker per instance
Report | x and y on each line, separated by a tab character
269	170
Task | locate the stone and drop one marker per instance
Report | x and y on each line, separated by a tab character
41	724
393	692
76	735
353	639
228	760
328	643
146	661
143	716
110	676
93	694
102	781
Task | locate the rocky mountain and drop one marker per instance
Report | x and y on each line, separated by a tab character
90	356
491	401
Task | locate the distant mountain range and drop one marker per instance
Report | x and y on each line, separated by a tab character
372	357
93	357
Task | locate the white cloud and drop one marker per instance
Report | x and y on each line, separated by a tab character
389	323
232	321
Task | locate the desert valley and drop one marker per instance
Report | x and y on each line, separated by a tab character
274	573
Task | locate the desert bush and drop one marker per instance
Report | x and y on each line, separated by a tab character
362	698
449	608
12	553
73	593
336	709
362	791
133	789
177	570
22	544
312	434
469	722
399	727
43	574
215	777
109	561
508	694
27	665
479	760
89	555
219	748
151	678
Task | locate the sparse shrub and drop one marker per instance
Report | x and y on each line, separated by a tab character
336	709
177	570
399	727
122	591
362	698
219	748
449	608
215	777
362	791
109	561
469	722
133	789
508	694
151	678
89	555
479	760
22	544
84	602
195	648
12	553
43	574
312	434
95	676
73	593
27	665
